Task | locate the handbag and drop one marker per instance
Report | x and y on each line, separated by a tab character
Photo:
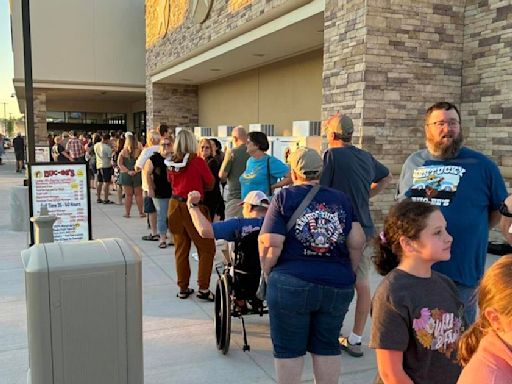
261	293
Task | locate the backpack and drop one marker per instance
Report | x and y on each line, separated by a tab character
246	266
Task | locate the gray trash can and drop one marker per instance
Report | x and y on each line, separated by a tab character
84	310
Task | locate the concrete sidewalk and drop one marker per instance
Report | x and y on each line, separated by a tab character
179	340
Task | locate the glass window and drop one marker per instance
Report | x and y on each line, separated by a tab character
74	117
94	118
55	117
116	118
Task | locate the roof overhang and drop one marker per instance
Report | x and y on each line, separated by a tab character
296	32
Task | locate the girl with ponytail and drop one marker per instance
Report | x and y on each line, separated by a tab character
416	313
485	349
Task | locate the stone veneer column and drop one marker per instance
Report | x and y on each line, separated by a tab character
385	63
487	78
173	104
40	126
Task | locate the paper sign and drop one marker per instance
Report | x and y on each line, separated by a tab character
63	189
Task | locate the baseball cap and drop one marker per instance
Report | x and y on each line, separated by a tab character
340	124
306	162
128	134
257	198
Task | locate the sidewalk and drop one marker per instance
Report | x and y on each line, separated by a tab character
179	340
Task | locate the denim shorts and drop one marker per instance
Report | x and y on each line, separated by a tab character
305	317
149	207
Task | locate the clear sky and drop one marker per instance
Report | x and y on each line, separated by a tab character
6	63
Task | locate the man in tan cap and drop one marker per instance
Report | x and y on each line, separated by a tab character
358	174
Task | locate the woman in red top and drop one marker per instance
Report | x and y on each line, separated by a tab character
188	172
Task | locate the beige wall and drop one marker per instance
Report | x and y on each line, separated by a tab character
77	41
276	94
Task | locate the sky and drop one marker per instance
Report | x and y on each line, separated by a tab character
6	64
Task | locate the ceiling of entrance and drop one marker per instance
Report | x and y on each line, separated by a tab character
303	36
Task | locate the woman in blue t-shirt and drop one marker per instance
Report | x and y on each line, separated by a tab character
262	171
310	270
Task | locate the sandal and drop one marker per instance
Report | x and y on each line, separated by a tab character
151	237
207	296
126	216
108	202
186	294
142	215
162	245
99	201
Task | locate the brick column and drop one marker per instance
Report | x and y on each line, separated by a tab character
40	128
176	105
487	79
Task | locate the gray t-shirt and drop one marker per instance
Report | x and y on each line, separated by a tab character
234	165
103	155
352	170
423	318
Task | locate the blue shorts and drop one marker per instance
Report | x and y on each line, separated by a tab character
305	317
149	207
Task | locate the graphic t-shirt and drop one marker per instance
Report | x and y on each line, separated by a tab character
466	189
352	170
255	177
229	229
315	249
421	317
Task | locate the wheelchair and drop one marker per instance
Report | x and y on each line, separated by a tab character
235	293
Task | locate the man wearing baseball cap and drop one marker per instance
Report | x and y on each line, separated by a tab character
358	174
242	230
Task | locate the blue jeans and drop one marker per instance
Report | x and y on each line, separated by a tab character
305	316
161	206
468	296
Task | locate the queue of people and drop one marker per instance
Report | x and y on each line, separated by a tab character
311	220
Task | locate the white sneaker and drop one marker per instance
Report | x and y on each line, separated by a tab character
195	256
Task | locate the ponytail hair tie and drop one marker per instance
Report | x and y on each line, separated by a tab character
382	238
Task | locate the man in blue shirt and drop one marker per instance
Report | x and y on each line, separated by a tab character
468	188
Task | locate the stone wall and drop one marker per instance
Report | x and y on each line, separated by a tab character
487	78
41	132
175	105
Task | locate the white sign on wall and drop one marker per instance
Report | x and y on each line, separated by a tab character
63	189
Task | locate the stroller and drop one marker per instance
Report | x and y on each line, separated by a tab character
235	293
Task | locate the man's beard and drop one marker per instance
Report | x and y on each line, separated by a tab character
445	151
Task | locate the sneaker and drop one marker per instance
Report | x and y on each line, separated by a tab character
354	350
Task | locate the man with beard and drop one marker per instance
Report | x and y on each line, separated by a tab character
468	188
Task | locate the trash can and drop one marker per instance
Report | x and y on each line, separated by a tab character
84	312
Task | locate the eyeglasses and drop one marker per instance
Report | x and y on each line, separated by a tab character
442	123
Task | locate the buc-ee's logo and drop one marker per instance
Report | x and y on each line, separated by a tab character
200	10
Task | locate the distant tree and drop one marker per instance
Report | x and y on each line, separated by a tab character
10	127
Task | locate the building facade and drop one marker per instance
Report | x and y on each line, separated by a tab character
382	62
87	63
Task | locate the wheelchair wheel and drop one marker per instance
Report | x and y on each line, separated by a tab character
222	314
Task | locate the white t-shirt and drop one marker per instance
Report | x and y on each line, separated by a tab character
103	155
141	160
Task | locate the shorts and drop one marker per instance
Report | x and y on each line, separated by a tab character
130	181
305	317
149	207
105	175
20	155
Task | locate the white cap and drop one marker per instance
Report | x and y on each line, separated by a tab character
257	198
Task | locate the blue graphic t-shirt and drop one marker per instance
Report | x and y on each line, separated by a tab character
255	177
315	249
466	189
228	229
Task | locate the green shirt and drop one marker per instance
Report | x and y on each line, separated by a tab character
234	165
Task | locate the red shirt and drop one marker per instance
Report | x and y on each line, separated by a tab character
195	177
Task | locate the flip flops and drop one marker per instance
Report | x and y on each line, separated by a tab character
206	296
184	295
151	237
162	245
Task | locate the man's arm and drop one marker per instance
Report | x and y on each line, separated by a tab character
378	186
506	222
147	173
226	166
355	243
270	246
201	223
